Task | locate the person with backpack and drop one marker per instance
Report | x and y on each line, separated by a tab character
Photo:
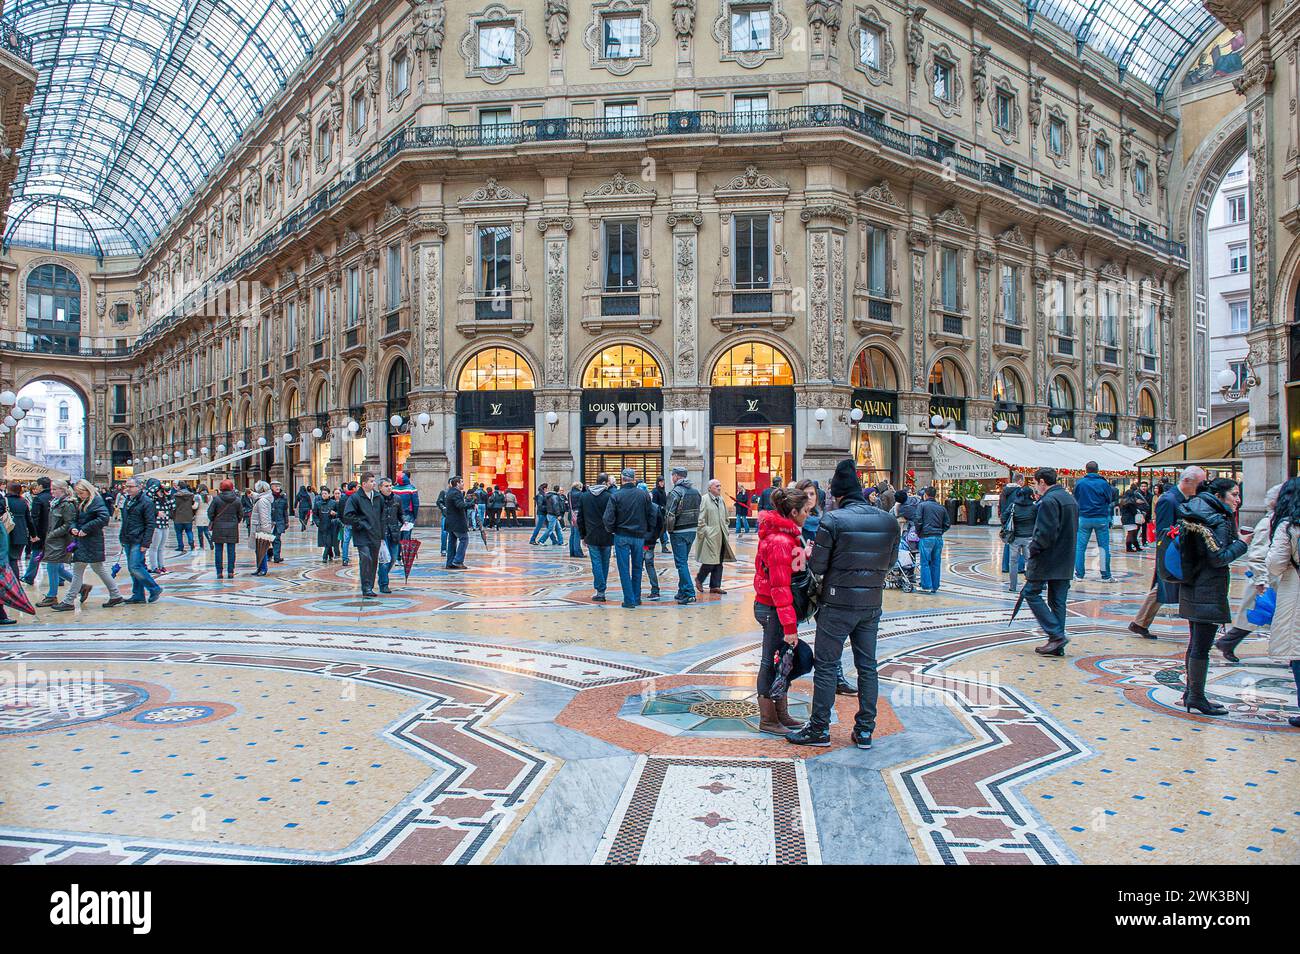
1283	564
681	520
553	504
441	504
1164	589
1208	542
1018	532
303	505
1051	553
765	498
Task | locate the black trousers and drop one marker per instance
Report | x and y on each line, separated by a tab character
367	565
713	571
773	637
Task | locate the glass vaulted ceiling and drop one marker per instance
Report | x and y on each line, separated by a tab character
137	102
1147	39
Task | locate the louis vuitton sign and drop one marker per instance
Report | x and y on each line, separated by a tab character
496	410
761	406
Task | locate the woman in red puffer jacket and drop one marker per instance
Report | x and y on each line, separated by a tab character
780	554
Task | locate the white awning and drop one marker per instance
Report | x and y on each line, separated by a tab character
952	461
1025	454
25	471
221	463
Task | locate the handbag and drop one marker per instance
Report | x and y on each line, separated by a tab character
806	591
7	521
1139	518
1115	521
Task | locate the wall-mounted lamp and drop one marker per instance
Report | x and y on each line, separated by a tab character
353	427
395	421
1145	435
683	418
424	420
939	422
552	419
1181	438
239	445
819	416
317	433
287	437
1000	425
8	398
1104	433
221	449
1057	430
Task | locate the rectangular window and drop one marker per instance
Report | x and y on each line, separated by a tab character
393	275
1005	110
877	260
1236	208
496	45
1238	258
1010	295
1150	324
264	342
401	74
291	325
63	438
750	111
622	37
358	110
1060	309
493	122
352	286
494	261
1239	369
1239	316
295	168
244	346
943	81
1140	178
948	278
1056	137
119	401
621	256
753	258
619	116
319	319
869	43
1100	158
751	29
1109	320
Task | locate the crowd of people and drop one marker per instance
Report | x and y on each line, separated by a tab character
823	553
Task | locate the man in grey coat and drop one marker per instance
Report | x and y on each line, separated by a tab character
1051	559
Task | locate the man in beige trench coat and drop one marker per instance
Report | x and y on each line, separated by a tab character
712	546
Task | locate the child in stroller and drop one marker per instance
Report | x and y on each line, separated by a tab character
902	575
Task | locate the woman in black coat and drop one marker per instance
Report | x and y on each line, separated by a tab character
88	531
225	511
1208	541
23	531
324	515
1130	505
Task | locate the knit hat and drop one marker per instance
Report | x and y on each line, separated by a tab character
845	480
629	474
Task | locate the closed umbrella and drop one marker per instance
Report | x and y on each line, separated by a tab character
408	549
12	594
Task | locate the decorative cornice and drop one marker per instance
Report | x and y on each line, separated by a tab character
827	210
880	193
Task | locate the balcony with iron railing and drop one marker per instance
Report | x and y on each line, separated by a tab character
13	40
677	123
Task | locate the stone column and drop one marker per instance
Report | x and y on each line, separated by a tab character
686	430
824	444
918	243
984	334
376	433
685	226
556	230
432	449
557	461
1036	423
825	221
430	461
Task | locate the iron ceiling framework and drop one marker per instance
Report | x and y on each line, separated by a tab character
137	102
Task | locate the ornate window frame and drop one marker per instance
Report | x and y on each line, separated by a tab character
621	198
593	36
879	208
752	192
937	52
397	97
1002	86
358	93
1056	115
491	15
1101	139
869	17
324	141
951	229
494	204
750	59
1142	195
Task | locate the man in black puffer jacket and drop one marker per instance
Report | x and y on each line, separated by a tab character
856	545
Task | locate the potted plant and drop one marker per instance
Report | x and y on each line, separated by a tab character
969	492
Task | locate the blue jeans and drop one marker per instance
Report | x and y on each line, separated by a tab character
56	573
553	532
1050	613
1020	551
229	549
931	559
480	510
1087	527
575	542
456	544
538	524
182	531
385	566
742	523
442	545
205	533
141	581
599	567
275	545
347	541
631	564
682	541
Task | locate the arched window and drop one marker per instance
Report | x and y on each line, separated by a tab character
1146	405
873	369
63	410
623	366
1007	388
946	379
1107	402
496	369
122	444
53	309
1060	395
357	390
753	364
294	410
323	399
399	386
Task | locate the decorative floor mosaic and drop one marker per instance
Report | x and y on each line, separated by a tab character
500	714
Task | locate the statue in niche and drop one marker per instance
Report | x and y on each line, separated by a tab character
429	26
915	37
557	22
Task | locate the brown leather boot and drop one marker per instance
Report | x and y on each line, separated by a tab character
783	713
768	719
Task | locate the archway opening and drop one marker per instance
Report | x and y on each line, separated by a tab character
877	433
396	402
947	387
752	406
51	429
1226	270
1060	408
1008	402
622	414
496	415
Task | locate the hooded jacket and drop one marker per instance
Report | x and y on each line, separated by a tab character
590	516
778	543
224	514
1208	543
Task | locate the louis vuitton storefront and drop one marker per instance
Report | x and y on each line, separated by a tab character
495	421
752	412
622	414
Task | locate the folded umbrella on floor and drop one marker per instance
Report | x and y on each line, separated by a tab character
13	594
791	662
408	549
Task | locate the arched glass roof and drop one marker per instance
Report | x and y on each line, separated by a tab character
139	100
1147	39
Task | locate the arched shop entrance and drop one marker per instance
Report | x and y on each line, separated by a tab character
948	394
1060	408
1008	402
1106	404
354	439
495	419
752	408
622	414
1146	422
876	439
397	393
320	454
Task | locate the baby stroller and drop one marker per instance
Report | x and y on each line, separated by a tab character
902	576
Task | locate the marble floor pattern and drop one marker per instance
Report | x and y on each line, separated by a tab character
500	715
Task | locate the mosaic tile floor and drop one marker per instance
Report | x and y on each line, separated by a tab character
500	715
